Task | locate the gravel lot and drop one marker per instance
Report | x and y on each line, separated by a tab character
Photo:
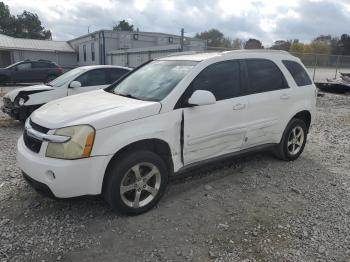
251	209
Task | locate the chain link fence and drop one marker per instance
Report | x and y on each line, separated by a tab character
320	66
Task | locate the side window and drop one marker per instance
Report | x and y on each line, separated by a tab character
24	66
264	76
93	78
115	74
299	74
40	65
222	79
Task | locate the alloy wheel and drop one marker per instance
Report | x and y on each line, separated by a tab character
140	185
295	140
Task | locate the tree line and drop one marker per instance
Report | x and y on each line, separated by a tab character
25	25
323	44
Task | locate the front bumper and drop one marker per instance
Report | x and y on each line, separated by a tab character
64	178
19	112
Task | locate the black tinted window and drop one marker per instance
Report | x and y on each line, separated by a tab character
297	71
222	79
115	74
264	76
40	65
93	78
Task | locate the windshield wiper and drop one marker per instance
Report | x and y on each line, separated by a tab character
128	96
47	84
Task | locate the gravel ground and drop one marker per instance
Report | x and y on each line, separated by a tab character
251	209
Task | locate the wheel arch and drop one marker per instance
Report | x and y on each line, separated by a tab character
156	145
304	115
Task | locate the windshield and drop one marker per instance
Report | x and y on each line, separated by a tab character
154	81
66	77
10	66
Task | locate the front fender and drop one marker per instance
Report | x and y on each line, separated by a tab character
166	127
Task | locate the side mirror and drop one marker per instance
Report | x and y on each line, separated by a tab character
15	68
74	84
201	98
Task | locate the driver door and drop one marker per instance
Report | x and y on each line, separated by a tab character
91	80
216	129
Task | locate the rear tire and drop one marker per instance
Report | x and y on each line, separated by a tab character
293	141
135	182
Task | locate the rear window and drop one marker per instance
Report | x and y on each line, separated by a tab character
299	74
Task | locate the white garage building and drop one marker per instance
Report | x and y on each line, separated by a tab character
14	49
101	47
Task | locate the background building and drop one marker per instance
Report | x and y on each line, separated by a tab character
101	47
13	50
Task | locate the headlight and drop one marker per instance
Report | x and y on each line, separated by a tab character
21	100
79	146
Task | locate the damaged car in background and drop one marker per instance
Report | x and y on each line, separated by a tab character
339	85
21	102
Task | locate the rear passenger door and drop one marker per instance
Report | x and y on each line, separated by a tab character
91	80
268	96
217	129
39	71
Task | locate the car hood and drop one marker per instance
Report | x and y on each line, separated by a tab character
97	108
27	90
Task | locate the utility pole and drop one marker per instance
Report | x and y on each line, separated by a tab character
182	39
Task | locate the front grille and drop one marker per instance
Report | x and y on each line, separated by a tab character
30	142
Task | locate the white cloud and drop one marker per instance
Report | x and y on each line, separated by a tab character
267	20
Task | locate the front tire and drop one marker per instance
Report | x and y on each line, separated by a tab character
293	141
135	182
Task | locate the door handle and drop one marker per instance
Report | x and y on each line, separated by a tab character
285	96
238	106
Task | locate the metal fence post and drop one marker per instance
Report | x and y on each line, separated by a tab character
336	67
313	77
127	59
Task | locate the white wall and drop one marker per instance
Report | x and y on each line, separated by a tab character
63	59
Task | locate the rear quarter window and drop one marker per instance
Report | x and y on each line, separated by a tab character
299	74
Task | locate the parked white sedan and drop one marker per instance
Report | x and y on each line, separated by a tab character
21	102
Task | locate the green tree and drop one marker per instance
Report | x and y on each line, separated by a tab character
281	45
344	44
123	26
253	44
215	38
7	21
296	47
25	25
28	25
237	43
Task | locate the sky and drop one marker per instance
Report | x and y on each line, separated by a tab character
267	20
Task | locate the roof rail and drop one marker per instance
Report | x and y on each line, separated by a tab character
182	53
256	51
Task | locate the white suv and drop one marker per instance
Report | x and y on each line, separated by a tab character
166	116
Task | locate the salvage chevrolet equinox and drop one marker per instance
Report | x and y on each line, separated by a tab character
166	116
